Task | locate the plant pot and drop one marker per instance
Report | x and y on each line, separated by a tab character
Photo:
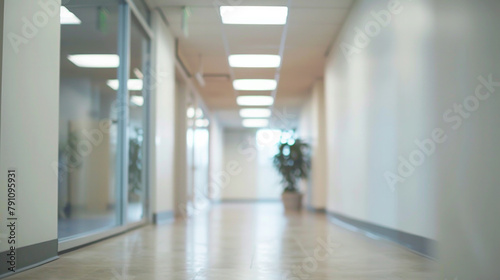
292	201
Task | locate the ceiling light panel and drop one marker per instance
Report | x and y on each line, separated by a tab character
255	122
255	84
255	113
254	61
95	60
137	100
266	15
68	17
255	100
132	84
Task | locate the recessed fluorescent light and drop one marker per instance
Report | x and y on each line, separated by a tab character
272	15
190	112
202	123
133	84
254	84
255	113
199	113
95	60
255	100
254	60
255	122
137	100
68	17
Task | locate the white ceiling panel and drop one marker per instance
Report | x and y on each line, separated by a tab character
255	36
312	27
310	36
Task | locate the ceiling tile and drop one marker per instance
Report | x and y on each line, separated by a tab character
312	27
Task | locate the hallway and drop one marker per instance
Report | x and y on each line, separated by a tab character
240	241
378	118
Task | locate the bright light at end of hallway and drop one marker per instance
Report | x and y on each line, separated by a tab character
254	61
255	84
255	123
133	84
268	137
95	60
255	100
255	113
202	123
190	112
266	15
68	17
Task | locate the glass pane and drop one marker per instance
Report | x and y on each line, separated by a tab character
201	160
138	91
191	117
87	119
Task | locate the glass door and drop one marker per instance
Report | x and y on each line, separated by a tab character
201	159
103	120
138	85
190	128
88	136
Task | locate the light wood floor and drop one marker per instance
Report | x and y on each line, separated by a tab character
240	241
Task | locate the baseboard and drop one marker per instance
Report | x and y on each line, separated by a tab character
29	257
418	244
163	217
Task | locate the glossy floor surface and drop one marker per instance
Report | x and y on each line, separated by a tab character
240	241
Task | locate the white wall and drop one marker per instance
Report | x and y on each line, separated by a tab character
29	119
468	44
249	174
163	119
379	100
312	129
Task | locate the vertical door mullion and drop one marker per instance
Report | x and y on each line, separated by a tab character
123	110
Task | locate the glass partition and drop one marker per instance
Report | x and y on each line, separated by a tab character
87	121
93	126
201	158
138	97
190	127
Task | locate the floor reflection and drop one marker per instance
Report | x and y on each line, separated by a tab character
240	241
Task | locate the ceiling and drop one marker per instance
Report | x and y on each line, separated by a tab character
311	28
88	38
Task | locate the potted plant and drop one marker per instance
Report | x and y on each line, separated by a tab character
293	163
135	165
